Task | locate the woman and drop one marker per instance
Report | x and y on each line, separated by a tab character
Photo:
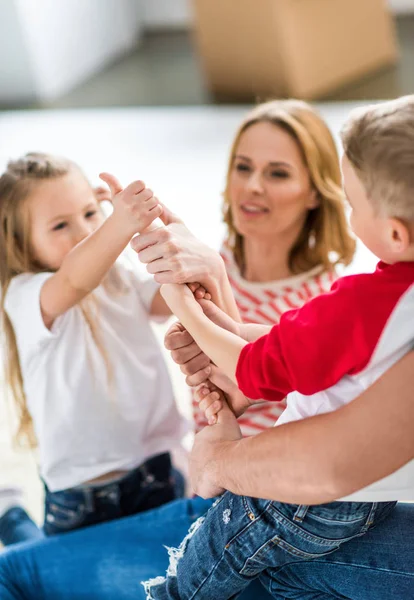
110	561
286	228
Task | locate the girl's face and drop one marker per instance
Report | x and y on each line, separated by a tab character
63	212
269	186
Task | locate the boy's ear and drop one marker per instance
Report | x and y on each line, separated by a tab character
401	237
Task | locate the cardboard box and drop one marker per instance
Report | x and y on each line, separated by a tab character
302	48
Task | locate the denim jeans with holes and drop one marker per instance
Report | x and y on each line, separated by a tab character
243	538
148	486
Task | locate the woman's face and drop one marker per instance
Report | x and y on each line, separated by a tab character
269	186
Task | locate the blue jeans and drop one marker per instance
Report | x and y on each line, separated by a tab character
242	538
16	526
148	486
109	561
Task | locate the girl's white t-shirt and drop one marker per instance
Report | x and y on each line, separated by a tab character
90	420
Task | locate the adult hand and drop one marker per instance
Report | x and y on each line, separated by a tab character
208	450
185	352
173	255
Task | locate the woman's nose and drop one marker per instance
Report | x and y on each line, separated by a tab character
255	183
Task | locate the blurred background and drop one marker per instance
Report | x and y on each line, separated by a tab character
155	89
89	53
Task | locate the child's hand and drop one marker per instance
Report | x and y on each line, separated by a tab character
210	396
135	207
199	291
177	295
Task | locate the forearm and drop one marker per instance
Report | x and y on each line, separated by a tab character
220	345
87	264
217	283
252	331
329	456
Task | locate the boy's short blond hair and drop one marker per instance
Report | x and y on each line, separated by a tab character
378	141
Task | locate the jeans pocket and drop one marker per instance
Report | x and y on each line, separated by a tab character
277	552
61	517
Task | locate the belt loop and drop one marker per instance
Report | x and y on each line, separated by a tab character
300	513
89	499
371	517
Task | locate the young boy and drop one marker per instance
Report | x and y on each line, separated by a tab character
323	355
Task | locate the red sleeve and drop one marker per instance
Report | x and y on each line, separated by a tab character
314	346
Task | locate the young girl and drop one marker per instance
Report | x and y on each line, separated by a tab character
84	367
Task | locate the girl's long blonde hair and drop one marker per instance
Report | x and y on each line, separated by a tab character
325	239
16	184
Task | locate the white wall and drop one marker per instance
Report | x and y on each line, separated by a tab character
167	14
16	76
57	44
401	6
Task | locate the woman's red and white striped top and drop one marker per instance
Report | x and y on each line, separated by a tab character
264	303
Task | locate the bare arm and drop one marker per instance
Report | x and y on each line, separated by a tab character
83	269
321	458
221	346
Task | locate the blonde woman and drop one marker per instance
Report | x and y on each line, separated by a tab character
287	232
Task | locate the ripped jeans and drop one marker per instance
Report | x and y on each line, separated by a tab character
243	538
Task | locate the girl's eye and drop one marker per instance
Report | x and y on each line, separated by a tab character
90	213
242	167
279	174
59	226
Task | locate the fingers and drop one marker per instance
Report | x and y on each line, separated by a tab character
112	182
201	361
150	241
169	217
199	377
202	294
210	405
184	354
199	291
177	340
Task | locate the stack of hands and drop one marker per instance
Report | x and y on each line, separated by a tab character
174	257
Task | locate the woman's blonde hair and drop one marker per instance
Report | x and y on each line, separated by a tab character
16	183
325	238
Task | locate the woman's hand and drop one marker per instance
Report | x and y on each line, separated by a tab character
173	255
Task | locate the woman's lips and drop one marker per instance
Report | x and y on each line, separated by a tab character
253	210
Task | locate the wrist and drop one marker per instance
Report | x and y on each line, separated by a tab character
120	227
215	273
218	466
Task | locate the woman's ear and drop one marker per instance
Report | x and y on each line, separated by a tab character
313	201
399	235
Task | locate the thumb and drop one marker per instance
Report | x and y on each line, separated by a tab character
168	217
112	182
218	316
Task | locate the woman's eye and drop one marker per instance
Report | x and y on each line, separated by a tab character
59	226
90	213
242	167
279	174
